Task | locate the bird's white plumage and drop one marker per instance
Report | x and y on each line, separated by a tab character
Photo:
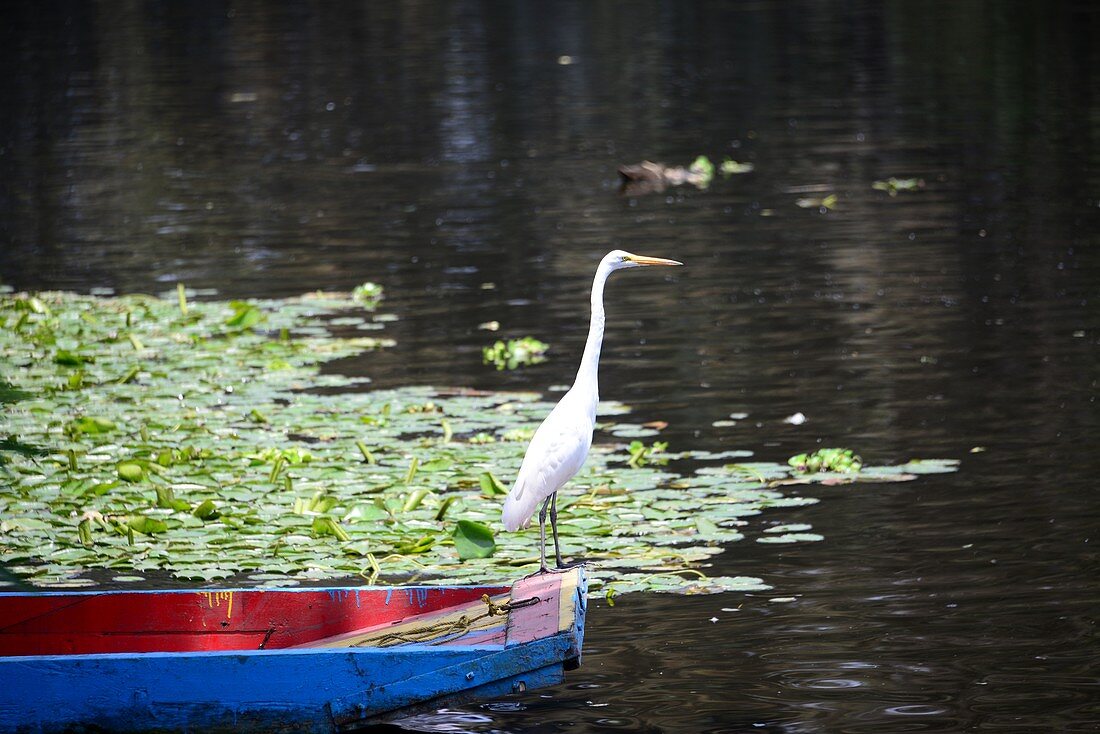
560	445
557	452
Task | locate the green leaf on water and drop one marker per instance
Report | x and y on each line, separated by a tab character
367	455
84	532
930	466
146	525
788	528
11	394
357	548
130	471
70	359
423	544
245	315
32	304
366	513
166	498
130	375
323	526
490	485
368	294
443	507
730	167
91	424
705	527
436	465
473	540
181	294
206	510
414	498
790	538
413	466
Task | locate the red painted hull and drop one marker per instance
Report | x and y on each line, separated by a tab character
185	621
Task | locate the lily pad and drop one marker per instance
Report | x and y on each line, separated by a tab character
473	540
790	538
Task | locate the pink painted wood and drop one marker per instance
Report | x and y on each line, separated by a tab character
540	619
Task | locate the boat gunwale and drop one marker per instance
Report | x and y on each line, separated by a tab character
285	652
250	590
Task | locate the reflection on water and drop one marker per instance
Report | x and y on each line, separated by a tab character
448	152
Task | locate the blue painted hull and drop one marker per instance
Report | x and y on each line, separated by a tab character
306	689
316	690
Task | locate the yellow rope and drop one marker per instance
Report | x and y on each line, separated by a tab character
428	633
449	629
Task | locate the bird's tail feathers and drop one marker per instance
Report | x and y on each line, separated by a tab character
518	508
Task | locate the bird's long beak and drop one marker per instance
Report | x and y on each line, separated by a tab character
645	260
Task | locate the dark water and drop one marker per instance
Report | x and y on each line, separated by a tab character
269	148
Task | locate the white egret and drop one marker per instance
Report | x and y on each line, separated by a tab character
560	445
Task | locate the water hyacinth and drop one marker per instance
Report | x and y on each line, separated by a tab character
206	454
515	353
826	460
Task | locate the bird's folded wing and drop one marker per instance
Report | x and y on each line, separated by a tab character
556	453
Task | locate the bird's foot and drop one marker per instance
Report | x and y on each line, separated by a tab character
562	568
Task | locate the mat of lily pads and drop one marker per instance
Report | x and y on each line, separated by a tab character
144	436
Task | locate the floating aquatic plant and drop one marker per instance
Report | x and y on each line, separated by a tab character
825	203
835	460
368	294
473	540
701	171
515	353
730	167
640	454
893	185
207	454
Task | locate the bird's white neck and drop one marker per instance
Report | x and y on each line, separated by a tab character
588	373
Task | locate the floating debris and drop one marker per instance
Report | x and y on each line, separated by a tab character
893	185
730	167
649	177
826	203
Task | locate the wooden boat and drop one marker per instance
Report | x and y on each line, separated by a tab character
304	659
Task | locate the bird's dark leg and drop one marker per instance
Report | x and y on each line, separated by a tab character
554	527
542	535
562	566
550	503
